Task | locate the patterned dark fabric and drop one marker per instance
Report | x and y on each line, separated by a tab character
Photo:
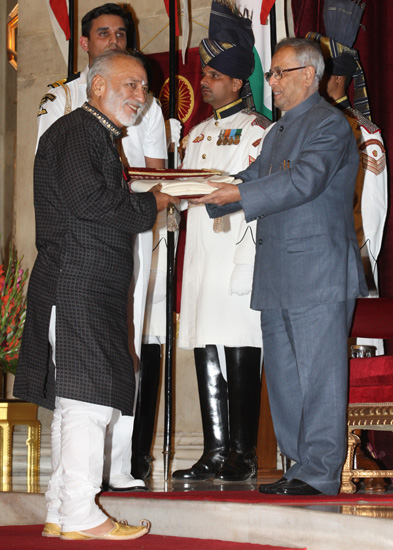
85	219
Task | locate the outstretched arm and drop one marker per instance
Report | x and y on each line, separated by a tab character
226	193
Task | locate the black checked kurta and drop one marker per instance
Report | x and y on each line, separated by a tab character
85	217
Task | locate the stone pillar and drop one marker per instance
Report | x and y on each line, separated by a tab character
8	102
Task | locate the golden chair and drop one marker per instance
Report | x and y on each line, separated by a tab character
370	386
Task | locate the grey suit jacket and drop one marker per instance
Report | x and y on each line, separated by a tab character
300	189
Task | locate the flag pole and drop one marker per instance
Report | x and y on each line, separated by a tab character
70	71
286	462
273	42
170	256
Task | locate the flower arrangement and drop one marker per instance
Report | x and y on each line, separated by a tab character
13	311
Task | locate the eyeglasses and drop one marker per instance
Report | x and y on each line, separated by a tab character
277	73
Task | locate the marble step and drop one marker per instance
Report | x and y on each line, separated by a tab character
314	528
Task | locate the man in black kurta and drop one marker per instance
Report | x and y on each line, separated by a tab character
74	356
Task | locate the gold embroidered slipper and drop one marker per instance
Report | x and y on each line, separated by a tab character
120	531
51	530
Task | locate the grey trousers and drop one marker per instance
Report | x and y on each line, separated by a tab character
306	367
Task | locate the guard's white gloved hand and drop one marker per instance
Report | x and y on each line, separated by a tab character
157	287
173	131
241	279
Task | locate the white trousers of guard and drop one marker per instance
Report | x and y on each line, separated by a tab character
77	438
118	444
118	449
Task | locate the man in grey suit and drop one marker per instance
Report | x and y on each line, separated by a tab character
308	270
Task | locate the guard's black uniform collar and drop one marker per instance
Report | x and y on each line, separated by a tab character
228	110
108	124
342	103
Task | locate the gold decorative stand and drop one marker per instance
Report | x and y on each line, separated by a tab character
364	416
13	413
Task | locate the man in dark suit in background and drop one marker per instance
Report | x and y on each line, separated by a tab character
308	270
74	356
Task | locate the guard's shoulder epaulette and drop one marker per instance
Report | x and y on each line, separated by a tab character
59	83
259	120
362	120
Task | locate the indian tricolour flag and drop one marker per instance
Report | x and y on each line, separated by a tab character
262	52
58	13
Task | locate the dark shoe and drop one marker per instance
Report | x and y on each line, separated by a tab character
205	468
271	488
293	487
297	487
238	467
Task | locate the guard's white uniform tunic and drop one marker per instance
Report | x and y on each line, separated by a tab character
154	328
370	201
371	194
218	265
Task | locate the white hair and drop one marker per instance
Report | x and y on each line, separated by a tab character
307	52
102	66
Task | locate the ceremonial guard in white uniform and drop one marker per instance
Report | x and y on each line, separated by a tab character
342	65
215	316
371	201
219	257
145	140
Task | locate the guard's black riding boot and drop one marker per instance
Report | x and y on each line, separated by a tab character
244	397
145	415
213	398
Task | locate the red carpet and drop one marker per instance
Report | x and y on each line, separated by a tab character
23	537
256	497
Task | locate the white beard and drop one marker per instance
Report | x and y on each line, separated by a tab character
125	117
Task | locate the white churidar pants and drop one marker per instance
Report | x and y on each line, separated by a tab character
78	434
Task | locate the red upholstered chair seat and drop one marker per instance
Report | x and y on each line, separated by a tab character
371	379
370	386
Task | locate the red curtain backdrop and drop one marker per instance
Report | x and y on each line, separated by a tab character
376	56
192	110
